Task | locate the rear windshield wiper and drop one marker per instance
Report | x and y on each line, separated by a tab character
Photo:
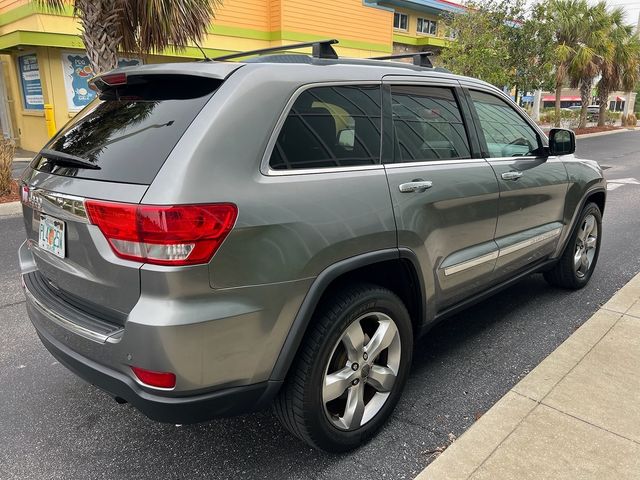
60	158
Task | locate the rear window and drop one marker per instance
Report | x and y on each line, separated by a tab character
130	130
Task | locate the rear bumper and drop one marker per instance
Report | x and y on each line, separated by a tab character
222	357
188	409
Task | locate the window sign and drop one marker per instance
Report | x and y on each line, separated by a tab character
32	98
78	72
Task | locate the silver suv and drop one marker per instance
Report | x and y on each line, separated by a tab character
210	238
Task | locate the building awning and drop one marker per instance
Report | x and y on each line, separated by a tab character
620	99
435	7
552	98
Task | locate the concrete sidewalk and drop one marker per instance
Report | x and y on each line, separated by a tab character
575	416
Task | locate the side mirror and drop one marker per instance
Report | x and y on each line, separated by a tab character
561	141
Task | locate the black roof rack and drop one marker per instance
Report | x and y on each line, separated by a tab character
421	59
320	49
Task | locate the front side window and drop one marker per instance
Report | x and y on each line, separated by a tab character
427	26
400	21
507	134
336	126
427	124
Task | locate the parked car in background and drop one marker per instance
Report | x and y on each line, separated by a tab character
211	238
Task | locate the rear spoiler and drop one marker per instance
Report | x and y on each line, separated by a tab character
118	76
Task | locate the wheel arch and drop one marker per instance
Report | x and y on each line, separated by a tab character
396	269
596	195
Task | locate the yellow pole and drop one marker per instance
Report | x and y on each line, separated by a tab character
50	120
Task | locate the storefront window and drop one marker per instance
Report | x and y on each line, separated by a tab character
32	98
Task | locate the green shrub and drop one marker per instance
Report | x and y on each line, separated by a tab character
613	118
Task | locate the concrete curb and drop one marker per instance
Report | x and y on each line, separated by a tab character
601	134
10	209
573	416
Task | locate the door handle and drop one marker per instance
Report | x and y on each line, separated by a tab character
514	175
415	186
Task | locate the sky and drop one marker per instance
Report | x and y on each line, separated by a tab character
631	6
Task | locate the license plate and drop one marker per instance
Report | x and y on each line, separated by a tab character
51	235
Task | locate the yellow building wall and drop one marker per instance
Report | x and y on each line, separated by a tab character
412	23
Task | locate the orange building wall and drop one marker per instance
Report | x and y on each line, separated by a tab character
341	18
9	4
252	14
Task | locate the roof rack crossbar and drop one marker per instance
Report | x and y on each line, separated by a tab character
420	59
320	49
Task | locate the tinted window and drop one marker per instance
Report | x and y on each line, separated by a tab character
129	131
330	127
427	124
506	132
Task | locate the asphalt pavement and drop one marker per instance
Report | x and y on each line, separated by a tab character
53	425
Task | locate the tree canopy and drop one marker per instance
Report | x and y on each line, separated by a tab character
137	26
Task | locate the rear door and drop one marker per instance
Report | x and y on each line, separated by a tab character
112	151
533	185
445	196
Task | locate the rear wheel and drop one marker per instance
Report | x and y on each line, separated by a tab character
575	267
350	371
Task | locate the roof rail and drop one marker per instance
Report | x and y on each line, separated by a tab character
320	49
420	59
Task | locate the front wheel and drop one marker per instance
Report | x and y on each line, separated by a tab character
578	261
350	371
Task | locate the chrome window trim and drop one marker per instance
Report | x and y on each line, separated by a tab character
309	171
426	163
513	159
266	169
487	257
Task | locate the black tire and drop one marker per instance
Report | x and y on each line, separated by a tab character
564	273
299	405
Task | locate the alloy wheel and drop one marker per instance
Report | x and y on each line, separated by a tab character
361	371
586	244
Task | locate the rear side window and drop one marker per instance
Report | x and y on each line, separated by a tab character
427	124
130	130
330	127
507	134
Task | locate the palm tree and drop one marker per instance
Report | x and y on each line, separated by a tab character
140	26
581	43
620	69
569	18
593	48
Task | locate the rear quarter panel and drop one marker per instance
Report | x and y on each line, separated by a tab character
289	227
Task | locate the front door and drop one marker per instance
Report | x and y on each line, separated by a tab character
445	197
533	186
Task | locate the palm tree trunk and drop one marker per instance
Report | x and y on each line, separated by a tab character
100	32
603	98
585	95
556	122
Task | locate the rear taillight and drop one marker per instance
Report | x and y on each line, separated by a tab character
163	235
